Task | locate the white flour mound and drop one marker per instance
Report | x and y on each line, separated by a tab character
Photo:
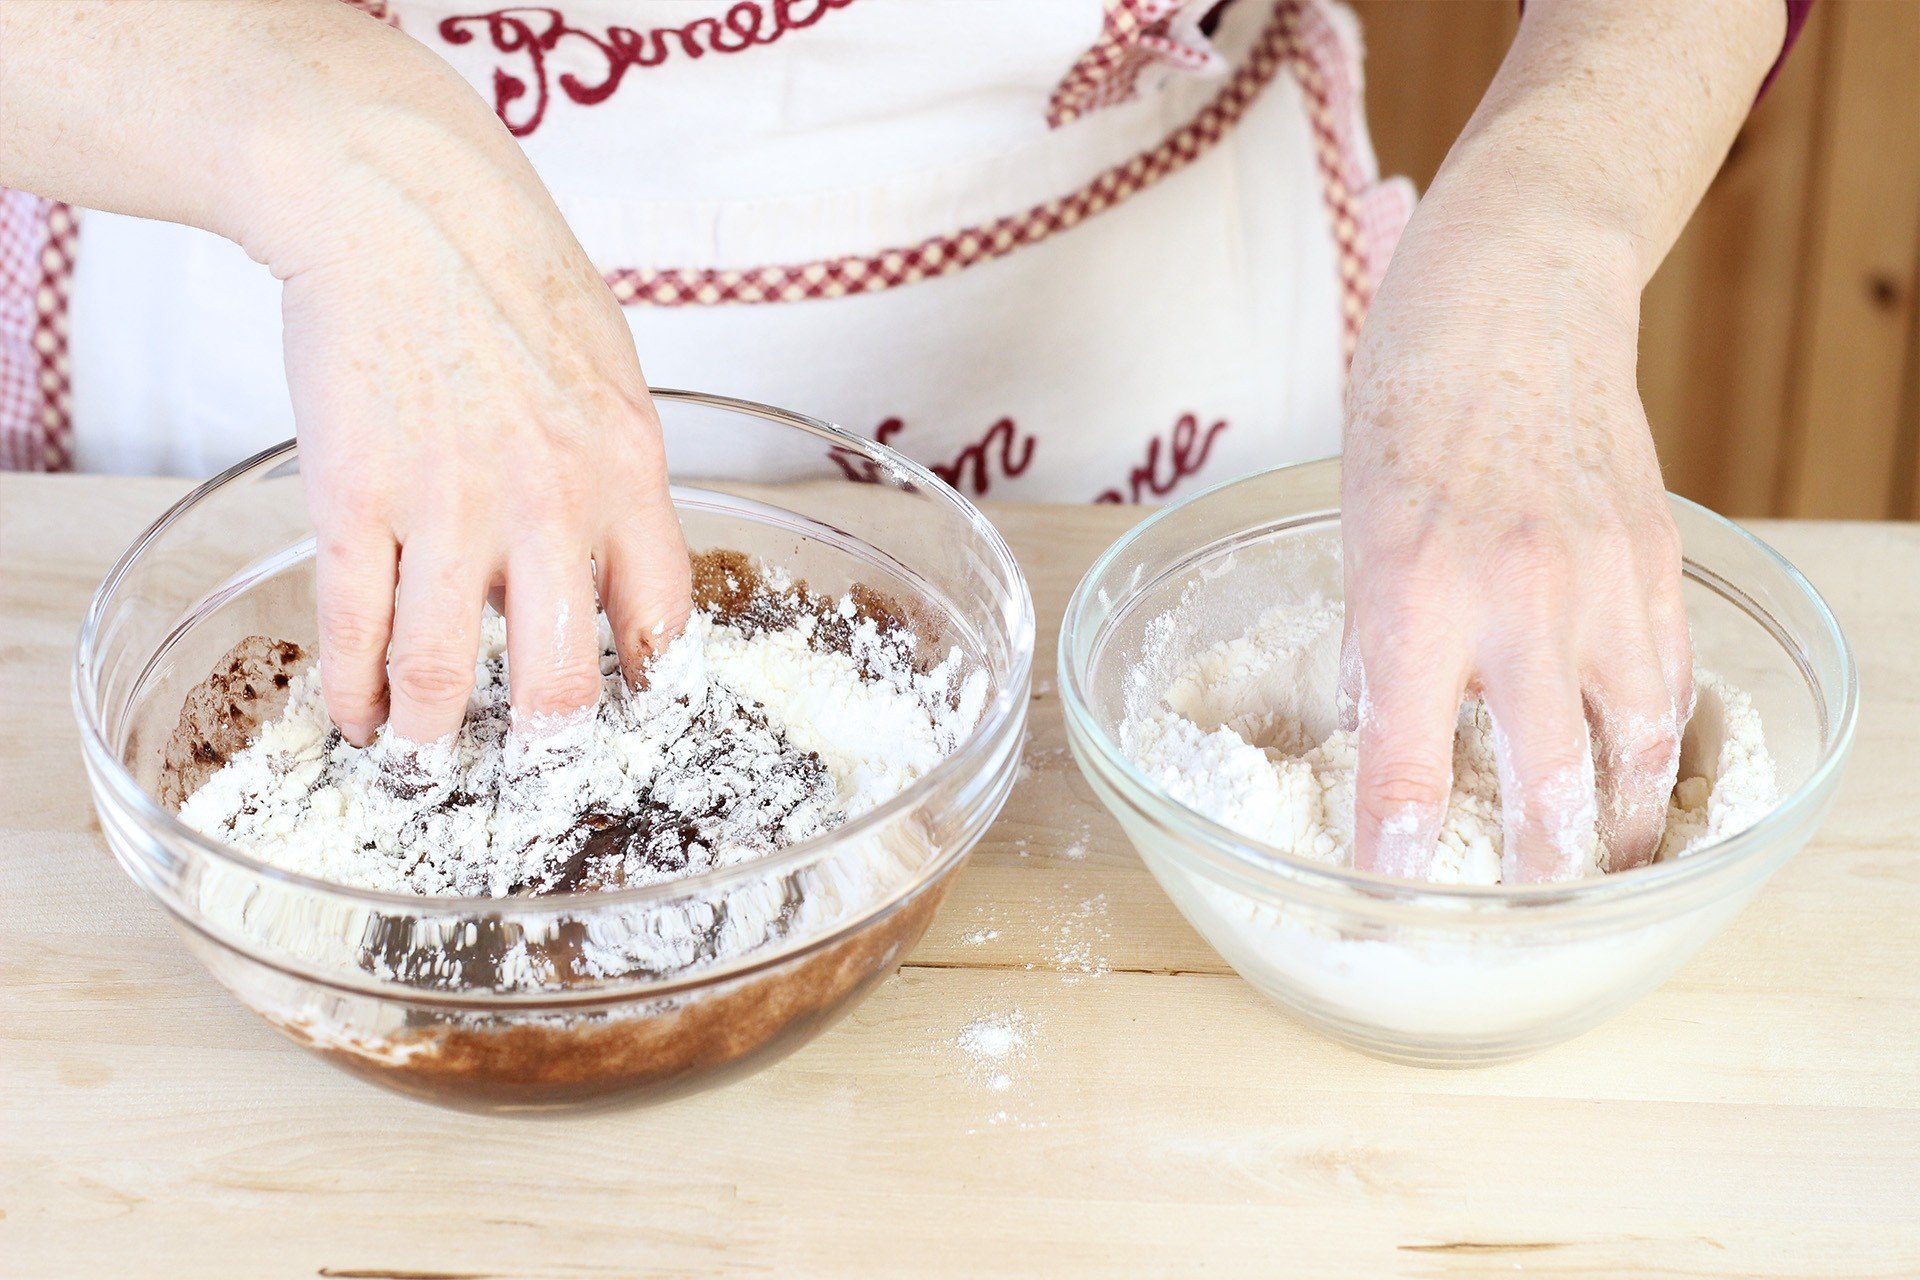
745	740
1248	733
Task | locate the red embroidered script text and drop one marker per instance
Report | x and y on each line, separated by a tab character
532	33
1005	452
1169	460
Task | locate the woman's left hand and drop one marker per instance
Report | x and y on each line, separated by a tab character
1507	535
1506	529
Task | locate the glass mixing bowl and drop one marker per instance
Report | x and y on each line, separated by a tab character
575	998
1418	973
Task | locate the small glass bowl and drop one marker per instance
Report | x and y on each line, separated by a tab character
575	998
1418	973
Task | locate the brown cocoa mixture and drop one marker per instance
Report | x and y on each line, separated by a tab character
639	1054
535	1061
247	688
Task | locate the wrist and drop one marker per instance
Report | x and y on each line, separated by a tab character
1493	264
1495	292
368	142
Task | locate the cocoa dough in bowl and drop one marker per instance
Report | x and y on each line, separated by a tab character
744	951
678	887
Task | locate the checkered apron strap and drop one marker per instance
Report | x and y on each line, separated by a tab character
1299	35
37	238
1134	35
1366	214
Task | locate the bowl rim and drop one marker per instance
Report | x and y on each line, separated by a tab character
1006	706
1276	870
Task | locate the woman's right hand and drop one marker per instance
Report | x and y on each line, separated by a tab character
470	409
472	417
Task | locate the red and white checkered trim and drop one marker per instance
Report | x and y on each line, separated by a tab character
1385	209
1368	214
1335	114
37	239
1298	35
1134	35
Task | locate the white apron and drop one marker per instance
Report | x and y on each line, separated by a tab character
1054	249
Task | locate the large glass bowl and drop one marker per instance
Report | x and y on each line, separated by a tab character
1438	976
489	1002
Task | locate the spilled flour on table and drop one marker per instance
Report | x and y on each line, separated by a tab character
1074	936
998	1051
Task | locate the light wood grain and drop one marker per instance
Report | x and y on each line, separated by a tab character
1757	1116
1863	262
1775	339
1720	318
1427	66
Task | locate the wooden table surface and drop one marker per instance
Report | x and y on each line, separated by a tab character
1759	1115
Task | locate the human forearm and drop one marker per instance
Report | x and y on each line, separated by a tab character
1608	117
465	389
1505	528
260	120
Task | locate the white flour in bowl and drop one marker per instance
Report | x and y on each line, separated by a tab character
751	735
1247	732
1243	727
779	715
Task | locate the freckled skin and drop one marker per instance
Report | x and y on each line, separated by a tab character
1509	531
1506	530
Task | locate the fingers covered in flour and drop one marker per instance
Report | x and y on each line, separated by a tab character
355	572
436	637
1544	755
1639	696
645	575
645	579
1636	720
553	644
1405	680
